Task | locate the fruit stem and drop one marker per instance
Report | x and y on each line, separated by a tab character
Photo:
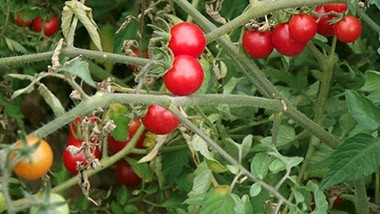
361	202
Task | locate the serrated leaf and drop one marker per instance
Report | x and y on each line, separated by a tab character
202	180
80	69
173	163
218	200
84	15
372	81
51	100
356	157
254	190
363	110
260	165
119	114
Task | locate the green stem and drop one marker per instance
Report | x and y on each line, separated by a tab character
195	4
361	202
377	188
368	20
6	18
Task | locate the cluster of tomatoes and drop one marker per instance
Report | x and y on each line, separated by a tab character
49	27
290	38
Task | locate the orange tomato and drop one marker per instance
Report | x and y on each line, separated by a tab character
40	163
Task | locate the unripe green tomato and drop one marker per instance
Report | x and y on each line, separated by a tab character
54	198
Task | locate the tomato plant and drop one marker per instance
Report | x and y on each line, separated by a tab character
50	206
187	39
283	43
258	44
159	120
22	22
185	76
324	25
125	174
69	161
49	27
348	29
302	27
40	162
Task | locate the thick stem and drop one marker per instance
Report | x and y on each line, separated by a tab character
361	202
368	20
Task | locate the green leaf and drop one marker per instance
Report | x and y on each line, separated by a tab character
216	166
84	15
239	204
141	169
202	180
14	46
51	100
356	157
276	166
120	116
207	76
372	81
286	135
80	69
122	195
66	21
246	145
321	204
375	2
127	33
363	110
218	200
195	200
260	165
173	163
174	200
254	190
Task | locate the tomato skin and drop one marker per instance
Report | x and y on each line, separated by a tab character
302	27
258	44
49	27
20	22
185	76
187	39
42	160
159	120
115	146
125	174
348	29
70	161
283	43
324	27
337	7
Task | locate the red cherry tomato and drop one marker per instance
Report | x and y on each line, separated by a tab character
159	120
324	27
125	174
49	27
115	146
70	162
283	43
302	27
338	7
19	21
187	39
348	29
185	76
258	44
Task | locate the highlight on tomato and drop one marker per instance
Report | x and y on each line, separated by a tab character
283	43
258	44
159	120
49	27
302	27
348	29
41	159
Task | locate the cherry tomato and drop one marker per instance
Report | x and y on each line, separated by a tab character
187	39
302	27
324	27
49	27
283	43
40	163
20	21
337	7
125	174
258	44
70	162
348	29
115	146
185	76
159	120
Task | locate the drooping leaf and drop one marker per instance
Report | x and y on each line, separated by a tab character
51	100
356	157
218	200
84	15
79	68
363	110
14	46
